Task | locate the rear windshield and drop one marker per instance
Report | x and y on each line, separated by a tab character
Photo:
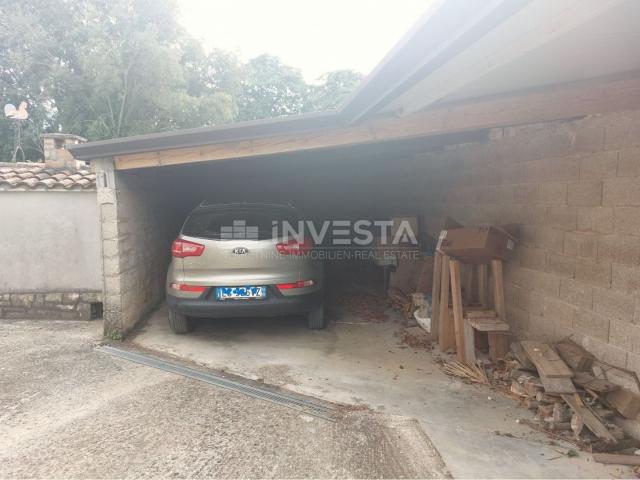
251	223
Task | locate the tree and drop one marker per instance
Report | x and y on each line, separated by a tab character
336	86
271	89
108	68
113	68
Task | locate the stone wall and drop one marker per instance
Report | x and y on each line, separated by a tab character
51	305
574	188
138	225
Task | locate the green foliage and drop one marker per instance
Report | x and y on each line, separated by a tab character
335	88
112	68
271	89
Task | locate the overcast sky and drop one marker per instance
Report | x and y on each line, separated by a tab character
315	36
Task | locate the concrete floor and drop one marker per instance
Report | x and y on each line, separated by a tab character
473	428
69	411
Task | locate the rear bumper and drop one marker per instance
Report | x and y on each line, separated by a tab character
207	306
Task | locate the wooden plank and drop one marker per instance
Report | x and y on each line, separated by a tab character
482	284
592	422
597	385
576	357
557	386
551	103
447	337
435	296
498	342
498	288
625	402
498	345
546	360
458	315
488	324
470	313
616	459
604	447
468	285
469	342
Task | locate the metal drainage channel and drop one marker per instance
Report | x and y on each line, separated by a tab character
297	403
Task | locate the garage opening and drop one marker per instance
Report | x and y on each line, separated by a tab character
370	183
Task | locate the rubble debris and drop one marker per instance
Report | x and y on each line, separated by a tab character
584	417
402	303
366	306
520	355
416	338
591	421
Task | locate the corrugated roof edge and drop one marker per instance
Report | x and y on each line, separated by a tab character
195	137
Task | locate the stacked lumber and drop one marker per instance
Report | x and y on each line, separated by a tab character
559	383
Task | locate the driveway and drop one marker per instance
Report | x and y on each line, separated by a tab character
366	363
70	411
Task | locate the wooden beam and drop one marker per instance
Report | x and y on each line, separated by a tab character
552	103
435	296
458	314
446	336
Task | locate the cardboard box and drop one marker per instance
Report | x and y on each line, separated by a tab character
477	244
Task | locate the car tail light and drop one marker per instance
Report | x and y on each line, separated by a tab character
182	287
184	248
298	284
294	247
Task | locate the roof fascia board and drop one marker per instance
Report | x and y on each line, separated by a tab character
195	137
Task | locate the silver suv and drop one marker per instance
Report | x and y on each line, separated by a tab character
228	262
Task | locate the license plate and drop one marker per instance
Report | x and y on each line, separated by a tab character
239	293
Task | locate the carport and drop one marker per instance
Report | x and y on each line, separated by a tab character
519	112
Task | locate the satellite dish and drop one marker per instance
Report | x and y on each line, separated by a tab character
9	110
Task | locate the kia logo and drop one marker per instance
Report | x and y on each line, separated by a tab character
240	250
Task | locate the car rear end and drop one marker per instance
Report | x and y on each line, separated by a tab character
227	262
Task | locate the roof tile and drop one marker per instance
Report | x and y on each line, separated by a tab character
36	176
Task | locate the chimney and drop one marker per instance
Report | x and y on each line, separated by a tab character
56	154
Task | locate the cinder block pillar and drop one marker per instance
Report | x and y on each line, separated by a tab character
111	269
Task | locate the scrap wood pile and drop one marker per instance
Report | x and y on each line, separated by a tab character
569	392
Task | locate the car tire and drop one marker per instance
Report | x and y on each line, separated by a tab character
178	322
315	319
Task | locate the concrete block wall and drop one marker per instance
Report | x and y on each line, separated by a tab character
138	226
574	187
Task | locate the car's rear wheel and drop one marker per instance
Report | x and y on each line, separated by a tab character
178	322
315	318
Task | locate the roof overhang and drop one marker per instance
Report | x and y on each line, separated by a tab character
540	105
463	66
